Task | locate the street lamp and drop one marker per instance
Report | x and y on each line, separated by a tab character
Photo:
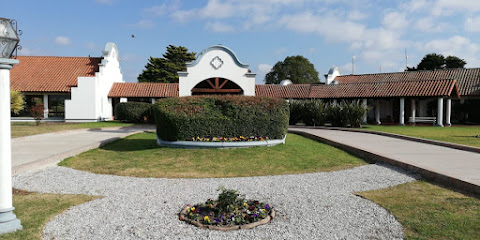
8	44
8	37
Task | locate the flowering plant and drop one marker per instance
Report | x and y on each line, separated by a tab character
228	139
228	210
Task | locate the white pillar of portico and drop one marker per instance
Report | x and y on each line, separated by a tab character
365	105
45	106
377	113
334	102
8	220
123	99
414	110
402	111
153	100
440	112
448	111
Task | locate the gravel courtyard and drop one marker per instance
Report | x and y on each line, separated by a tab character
308	206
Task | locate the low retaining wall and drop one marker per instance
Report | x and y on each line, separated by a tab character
194	144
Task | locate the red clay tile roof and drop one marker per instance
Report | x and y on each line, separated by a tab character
468	79
294	91
153	90
51	74
422	88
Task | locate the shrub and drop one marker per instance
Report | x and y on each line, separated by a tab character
37	112
296	109
17	101
221	116
313	113
345	114
136	112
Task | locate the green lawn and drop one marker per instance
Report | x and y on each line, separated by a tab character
35	210
457	134
21	129
138	155
428	211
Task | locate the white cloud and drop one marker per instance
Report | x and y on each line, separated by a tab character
429	24
92	46
144	24
472	24
263	69
448	7
356	15
106	2
394	20
64	41
219	27
459	46
164	9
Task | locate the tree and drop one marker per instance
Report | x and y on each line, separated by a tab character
165	69
297	69
16	101
432	61
438	61
37	112
454	62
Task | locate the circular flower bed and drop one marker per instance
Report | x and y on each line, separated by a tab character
228	212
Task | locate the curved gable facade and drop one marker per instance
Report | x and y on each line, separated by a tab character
216	62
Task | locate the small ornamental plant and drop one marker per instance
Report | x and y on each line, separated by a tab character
230	211
229	139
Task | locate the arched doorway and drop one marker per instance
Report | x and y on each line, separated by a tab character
217	86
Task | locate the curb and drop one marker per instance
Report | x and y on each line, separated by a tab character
50	161
415	139
372	157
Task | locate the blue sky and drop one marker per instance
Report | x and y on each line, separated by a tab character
327	32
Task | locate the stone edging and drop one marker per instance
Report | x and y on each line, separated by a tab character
415	139
193	144
266	220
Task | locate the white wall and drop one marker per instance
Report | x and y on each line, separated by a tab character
231	69
89	100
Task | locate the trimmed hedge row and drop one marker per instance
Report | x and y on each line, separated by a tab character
220	116
135	112
316	113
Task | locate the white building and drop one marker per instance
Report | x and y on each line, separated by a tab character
72	89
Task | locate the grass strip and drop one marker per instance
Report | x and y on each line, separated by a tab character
36	209
465	135
22	129
138	155
429	211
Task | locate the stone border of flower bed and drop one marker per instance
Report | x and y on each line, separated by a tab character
195	144
266	220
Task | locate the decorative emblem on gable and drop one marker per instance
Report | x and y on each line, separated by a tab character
216	62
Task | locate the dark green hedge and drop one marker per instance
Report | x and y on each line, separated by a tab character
221	116
135	112
315	113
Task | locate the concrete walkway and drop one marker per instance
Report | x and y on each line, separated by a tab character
38	151
451	166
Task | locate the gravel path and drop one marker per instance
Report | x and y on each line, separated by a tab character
147	208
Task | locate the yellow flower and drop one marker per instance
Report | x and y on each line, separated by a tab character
193	208
210	205
188	209
263	210
206	219
245	204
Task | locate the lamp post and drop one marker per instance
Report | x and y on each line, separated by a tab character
8	44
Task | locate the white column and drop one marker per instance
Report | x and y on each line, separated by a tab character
123	99
448	111
377	113
440	112
364	104
45	105
8	220
414	110
153	100
334	102
402	111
